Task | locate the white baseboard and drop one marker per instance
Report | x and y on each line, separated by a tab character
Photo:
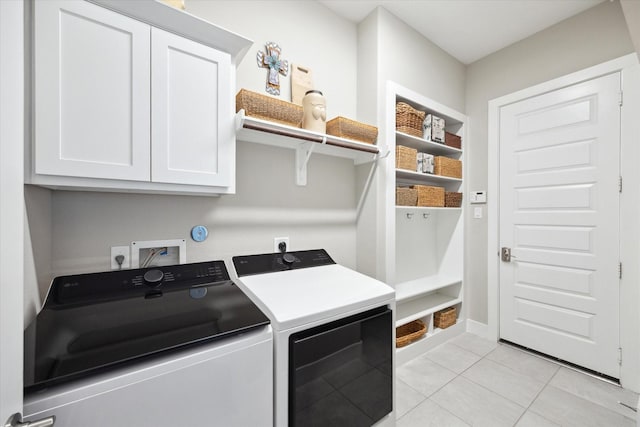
477	328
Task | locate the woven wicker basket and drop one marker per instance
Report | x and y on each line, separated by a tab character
351	129
452	200
444	318
409	120
446	166
406	196
452	140
406	158
430	196
268	108
410	332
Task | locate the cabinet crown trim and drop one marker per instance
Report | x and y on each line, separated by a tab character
179	22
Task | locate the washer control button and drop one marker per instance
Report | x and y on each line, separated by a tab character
153	277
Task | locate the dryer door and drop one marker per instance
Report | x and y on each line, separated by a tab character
341	373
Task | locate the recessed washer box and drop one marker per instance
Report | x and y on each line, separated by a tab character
150	253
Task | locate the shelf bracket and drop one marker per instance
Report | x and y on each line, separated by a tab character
367	185
303	153
365	189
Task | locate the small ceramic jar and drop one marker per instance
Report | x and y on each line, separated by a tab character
314	111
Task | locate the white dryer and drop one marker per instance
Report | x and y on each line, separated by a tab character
333	338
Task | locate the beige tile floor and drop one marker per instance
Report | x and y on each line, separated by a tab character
470	381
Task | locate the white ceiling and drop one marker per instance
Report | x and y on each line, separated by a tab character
469	29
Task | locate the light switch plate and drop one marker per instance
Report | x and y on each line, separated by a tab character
477	212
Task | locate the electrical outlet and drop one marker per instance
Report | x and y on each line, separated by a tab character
277	241
120	250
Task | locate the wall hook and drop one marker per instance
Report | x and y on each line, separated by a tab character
426	215
409	215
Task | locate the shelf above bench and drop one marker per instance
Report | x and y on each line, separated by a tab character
423	145
411	177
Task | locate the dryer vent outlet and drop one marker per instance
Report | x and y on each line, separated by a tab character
278	241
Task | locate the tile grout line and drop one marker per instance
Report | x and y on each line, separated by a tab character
479	385
504	397
424	355
528	408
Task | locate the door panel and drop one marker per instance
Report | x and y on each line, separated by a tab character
91	92
191	120
559	212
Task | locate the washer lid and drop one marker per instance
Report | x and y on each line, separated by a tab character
299	296
91	322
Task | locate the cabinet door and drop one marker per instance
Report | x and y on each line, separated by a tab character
191	113
92	84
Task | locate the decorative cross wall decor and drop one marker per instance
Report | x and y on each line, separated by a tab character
271	60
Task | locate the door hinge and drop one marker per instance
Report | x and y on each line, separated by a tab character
619	270
620	184
620	356
620	98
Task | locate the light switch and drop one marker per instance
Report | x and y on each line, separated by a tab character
477	212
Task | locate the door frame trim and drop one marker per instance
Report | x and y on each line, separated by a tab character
629	67
12	132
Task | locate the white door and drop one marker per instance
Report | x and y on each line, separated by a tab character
92	85
559	214
192	120
11	207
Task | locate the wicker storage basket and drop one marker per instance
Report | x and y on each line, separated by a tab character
406	158
406	196
446	166
350	129
268	108
452	140
444	318
409	120
430	196
452	200
410	332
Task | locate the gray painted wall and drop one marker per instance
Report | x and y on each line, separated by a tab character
592	37
414	62
631	9
390	50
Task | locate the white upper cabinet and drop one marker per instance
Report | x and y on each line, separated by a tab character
121	105
191	126
92	85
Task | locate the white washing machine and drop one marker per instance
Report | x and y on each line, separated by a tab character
165	346
333	339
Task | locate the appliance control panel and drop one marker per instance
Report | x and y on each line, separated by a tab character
248	265
85	288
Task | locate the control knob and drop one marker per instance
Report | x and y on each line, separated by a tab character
153	277
288	259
